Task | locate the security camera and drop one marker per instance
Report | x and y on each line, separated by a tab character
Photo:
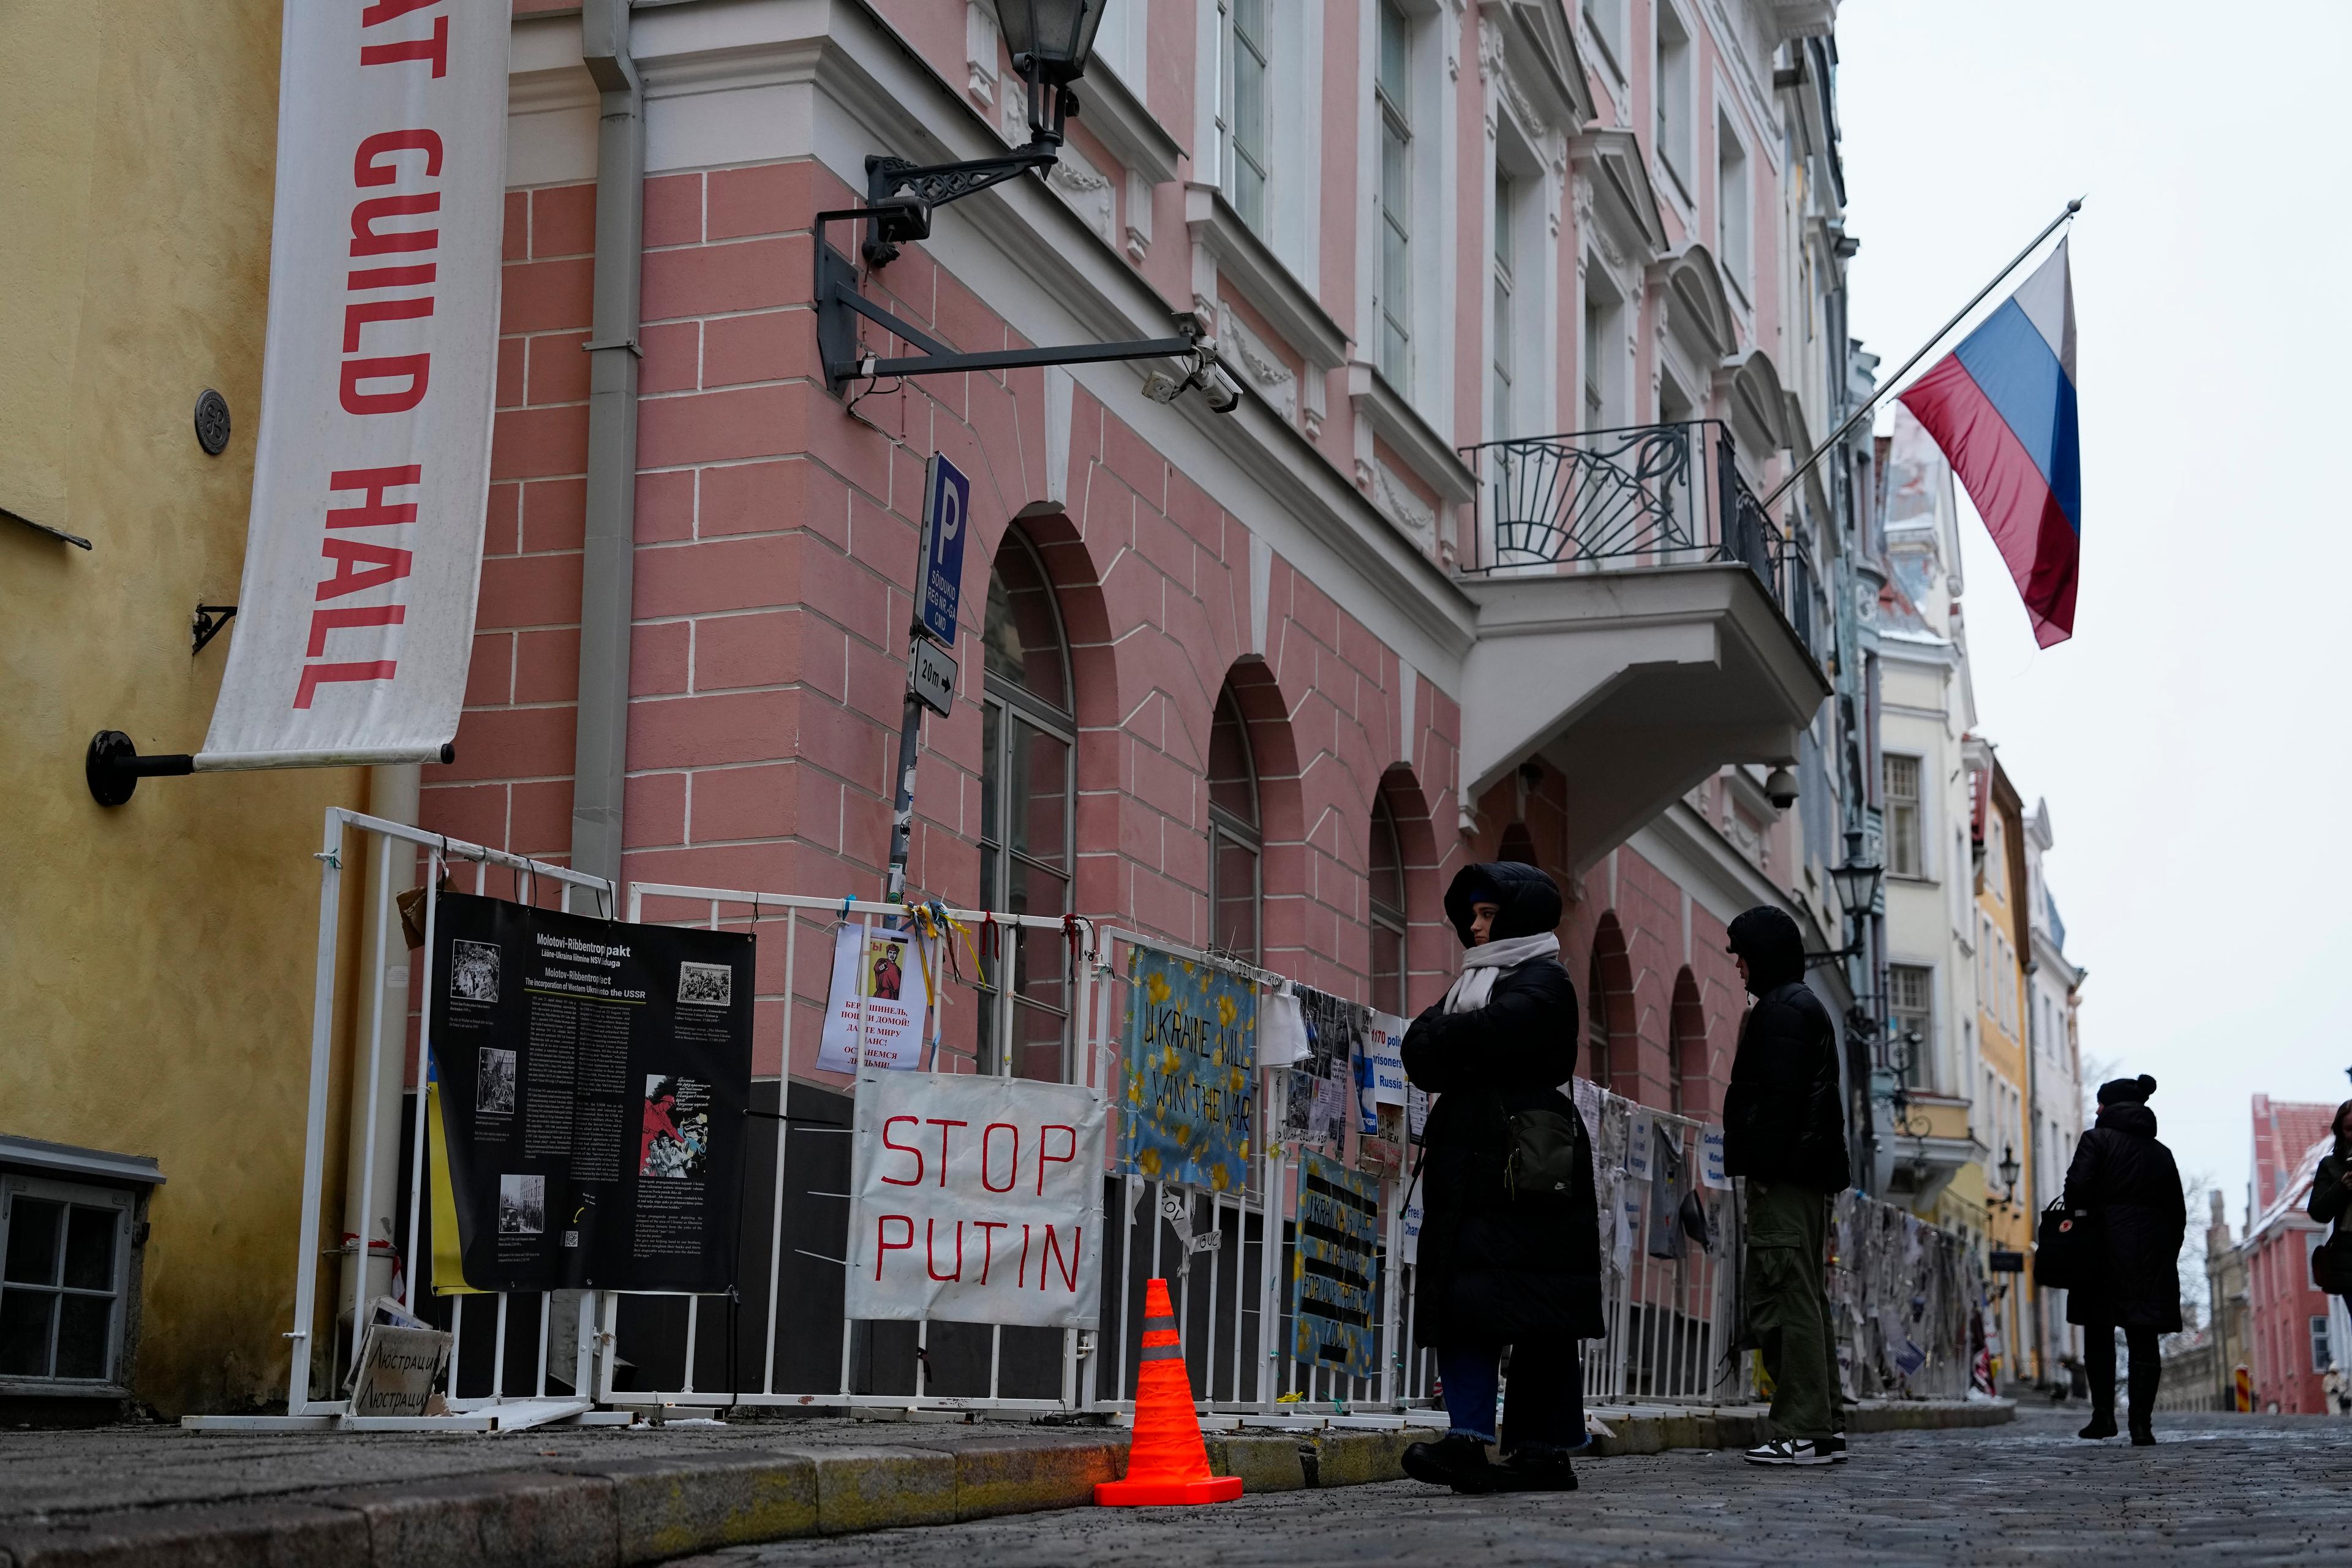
1780	788
1219	388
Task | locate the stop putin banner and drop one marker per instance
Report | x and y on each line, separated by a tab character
976	1199
363	547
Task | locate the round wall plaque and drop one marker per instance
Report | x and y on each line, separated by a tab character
212	422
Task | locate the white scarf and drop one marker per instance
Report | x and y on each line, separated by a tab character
1482	966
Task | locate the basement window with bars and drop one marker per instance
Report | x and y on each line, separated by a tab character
64	1257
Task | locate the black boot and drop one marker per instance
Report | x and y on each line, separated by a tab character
1452	1461
2143	1434
1536	1470
2103	1424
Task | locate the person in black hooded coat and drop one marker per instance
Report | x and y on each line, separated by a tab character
2128	1180
1784	1133
1497	1268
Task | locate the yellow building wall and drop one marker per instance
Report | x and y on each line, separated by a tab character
155	959
2001	1043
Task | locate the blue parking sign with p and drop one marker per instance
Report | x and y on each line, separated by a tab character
947	510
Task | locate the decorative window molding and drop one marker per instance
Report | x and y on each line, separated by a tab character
1398	503
1226	250
1268	376
1382	414
1088	192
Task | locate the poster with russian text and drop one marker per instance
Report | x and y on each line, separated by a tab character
1191	1046
879	996
593	1077
976	1199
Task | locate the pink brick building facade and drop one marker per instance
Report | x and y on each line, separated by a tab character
1297	563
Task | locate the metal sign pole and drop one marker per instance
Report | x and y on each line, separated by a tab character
931	672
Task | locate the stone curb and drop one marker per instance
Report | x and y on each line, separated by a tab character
626	1511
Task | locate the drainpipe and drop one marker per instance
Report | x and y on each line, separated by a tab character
608	548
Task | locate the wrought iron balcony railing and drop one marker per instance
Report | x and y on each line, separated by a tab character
1648	495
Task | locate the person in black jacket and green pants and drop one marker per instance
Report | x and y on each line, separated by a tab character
1784	1132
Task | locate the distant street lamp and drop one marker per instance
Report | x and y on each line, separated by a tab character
2009	1173
1857	890
1857	879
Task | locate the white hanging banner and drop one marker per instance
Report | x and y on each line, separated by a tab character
976	1199
364	549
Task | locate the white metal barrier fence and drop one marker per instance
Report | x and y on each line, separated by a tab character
319	1353
1046	998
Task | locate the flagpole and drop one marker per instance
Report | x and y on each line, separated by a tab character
1888	385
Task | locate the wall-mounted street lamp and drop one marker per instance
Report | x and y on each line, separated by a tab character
1051	42
2008	1169
1857	889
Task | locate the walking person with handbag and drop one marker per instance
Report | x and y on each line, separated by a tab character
2331	1200
1784	1132
1510	1242
2128	1185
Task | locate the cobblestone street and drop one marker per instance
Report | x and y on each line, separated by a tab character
2217	1489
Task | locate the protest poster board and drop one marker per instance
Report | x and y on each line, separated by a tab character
1384	1068
1317	1109
399	1371
1711	1169
977	1199
1191	1032
592	1079
1638	1143
1335	1265
881	973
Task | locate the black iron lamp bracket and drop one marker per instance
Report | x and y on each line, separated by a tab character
839	303
211	621
900	194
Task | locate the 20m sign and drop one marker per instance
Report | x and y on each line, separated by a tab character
976	1199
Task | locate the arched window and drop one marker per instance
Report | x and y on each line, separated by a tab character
1596	1022
1027	737
1517	845
1233	841
1687	1090
1386	874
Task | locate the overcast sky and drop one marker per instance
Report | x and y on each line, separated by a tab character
2191	739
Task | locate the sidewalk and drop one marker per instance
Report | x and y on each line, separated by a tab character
601	1496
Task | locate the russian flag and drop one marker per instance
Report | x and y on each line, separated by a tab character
2001	405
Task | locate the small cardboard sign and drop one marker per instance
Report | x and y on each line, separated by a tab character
399	1371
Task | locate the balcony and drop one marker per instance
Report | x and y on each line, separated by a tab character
1641	622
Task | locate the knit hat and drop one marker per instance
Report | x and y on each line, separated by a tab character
2127	1090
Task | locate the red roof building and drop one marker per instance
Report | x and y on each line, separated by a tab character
2284	1130
2286	1318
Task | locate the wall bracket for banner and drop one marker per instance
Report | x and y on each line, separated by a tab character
211	621
112	766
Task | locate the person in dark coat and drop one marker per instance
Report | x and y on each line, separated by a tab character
1784	1132
2331	1187
2128	1180
1502	1263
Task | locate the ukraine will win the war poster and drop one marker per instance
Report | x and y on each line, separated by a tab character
1192	1033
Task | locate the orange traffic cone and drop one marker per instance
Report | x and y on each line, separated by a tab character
1167	1462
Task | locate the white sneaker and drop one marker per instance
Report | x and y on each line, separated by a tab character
1790	1451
